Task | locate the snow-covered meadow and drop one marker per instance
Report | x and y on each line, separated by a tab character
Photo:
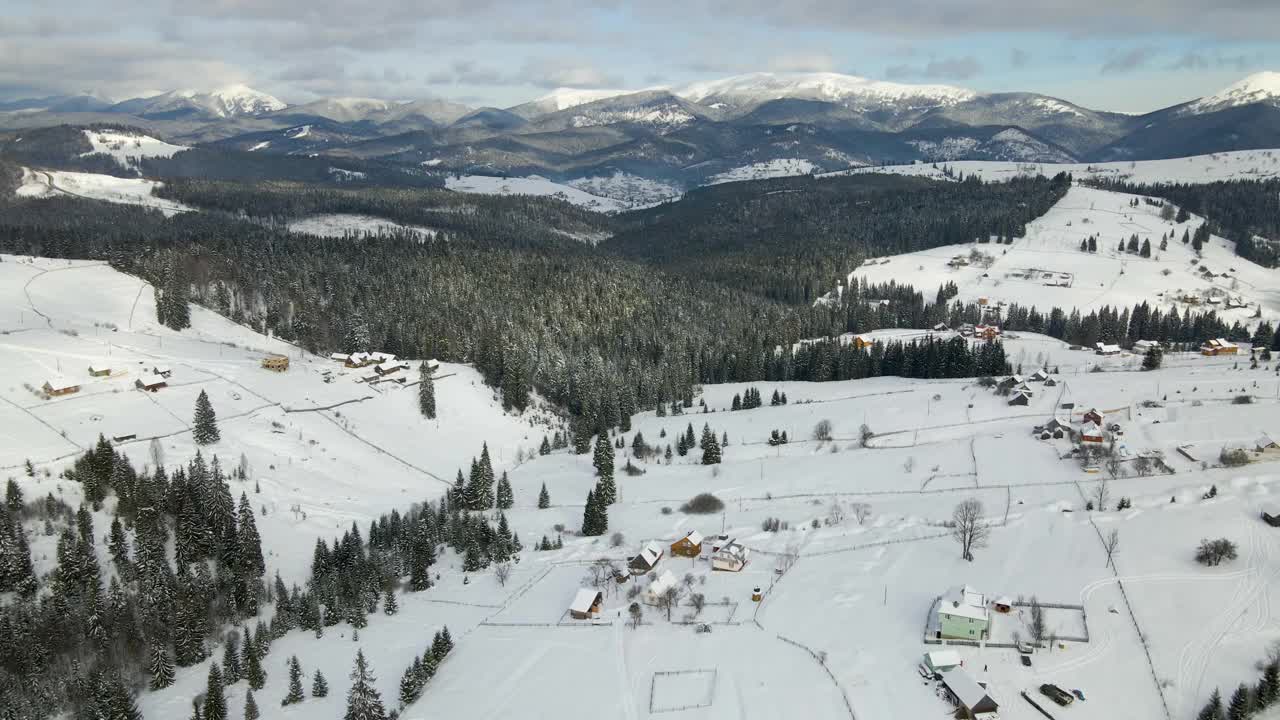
95	186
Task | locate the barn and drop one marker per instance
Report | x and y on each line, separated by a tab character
99	370
60	386
586	604
969	693
688	546
1020	398
646	560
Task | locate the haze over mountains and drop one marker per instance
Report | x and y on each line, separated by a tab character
686	135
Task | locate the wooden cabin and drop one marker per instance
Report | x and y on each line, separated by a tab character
1219	346
688	546
1093	416
969	693
646	560
275	363
150	382
586	604
60	386
99	370
861	342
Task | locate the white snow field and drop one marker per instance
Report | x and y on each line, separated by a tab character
782	167
533	185
863	530
127	148
1046	268
94	186
345	224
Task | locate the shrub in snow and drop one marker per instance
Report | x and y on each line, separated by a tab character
702	504
1213	552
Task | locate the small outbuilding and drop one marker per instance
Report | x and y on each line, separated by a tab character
1039	376
1107	349
1050	382
688	546
940	661
1266	443
99	370
150	382
1219	346
340	357
586	604
1003	604
388	367
863	341
969	693
163	371
60	386
658	587
276	363
646	560
1271	515
1020	398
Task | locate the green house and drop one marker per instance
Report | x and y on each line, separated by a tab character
963	615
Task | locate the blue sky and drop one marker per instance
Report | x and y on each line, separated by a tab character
1133	56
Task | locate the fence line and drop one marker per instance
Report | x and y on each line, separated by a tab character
845	696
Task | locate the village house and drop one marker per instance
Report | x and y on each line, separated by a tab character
150	382
969	693
1219	346
1050	382
941	327
1039	376
340	357
358	360
1093	416
663	583
1020	398
1107	349
940	661
432	365
731	557
388	367
987	332
1265	443
1144	346
1091	432
688	546
861	342
963	614
646	560
586	604
275	363
99	370
59	386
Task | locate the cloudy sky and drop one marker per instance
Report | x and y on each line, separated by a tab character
1133	55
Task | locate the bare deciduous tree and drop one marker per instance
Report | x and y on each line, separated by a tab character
1037	626
822	431
861	511
637	614
502	571
697	601
1113	467
1143	466
599	572
1102	494
1109	545
669	600
835	512
968	527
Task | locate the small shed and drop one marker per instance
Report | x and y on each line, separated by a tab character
1143	346
163	371
968	693
659	586
1020	398
432	365
646	560
388	367
1107	349
940	661
340	357
1093	416
276	363
1039	376
1265	442
688	546
150	382
1050	382
99	370
941	327
586	604
1271	515
60	386
1003	604
862	341
1219	346
731	557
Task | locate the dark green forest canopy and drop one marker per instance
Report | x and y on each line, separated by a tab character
791	239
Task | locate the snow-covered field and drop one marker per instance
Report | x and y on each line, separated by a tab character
342	225
534	185
782	167
1047	268
844	622
93	186
1236	165
127	148
632	190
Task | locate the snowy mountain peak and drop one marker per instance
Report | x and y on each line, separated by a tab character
564	98
1258	87
756	88
239	99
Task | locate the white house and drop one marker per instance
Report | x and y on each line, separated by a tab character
656	588
963	614
731	556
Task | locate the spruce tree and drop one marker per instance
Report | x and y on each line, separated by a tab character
604	457
710	450
253	671
1240	706
426	393
1213	709
606	491
231	666
442	643
160	668
590	515
364	702
296	694
319	688
544	498
1269	686
250	706
205	424
545	447
215	701
13	495
505	497
389	604
410	685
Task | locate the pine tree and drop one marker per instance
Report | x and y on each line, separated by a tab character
737	402
411	685
1212	709
160	667
13	495
545	447
389	604
710	450
250	706
505	496
253	671
248	542
215	701
205	425
604	457
296	694
544	498
232	670
441	644
1240	707
590	516
427	393
1269	686
364	702
319	688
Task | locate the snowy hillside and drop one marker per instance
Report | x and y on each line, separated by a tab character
486	185
783	167
757	88
92	186
1259	87
127	148
342	225
632	190
1047	268
848	548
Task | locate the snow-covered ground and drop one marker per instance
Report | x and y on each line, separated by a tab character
846	621
534	185
93	186
1047	268
1240	164
127	148
634	191
782	167
342	225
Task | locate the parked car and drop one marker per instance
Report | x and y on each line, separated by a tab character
1057	694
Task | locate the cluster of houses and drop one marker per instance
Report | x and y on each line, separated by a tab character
725	554
980	332
380	364
152	379
1018	388
1093	428
963	614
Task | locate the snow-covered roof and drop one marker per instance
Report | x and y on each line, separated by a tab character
964	687
665	580
650	554
1090	428
1108	348
583	601
732	549
943	658
161	369
60	383
1039	375
151	380
382	357
358	356
340	356
1265	440
388	366
1004	600
432	364
98	368
964	602
694	537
